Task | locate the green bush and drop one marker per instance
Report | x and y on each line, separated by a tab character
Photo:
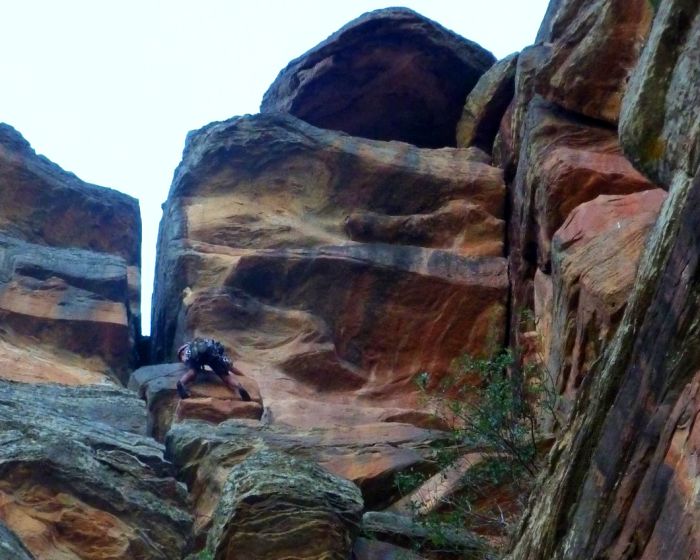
493	412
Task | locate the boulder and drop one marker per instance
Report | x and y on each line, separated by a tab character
370	455
391	74
302	248
594	47
486	104
276	506
661	109
210	399
69	271
77	479
594	264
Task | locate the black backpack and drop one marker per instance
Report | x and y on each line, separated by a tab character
202	349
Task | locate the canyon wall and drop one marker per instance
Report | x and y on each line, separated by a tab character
402	199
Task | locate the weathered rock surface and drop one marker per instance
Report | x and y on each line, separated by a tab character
594	46
486	104
69	270
76	301
623	478
11	548
210	399
369	455
402	530
390	74
78	481
661	111
276	506
564	162
259	224
594	265
372	549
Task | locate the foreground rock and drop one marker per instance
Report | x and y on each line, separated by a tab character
276	506
69	270
77	479
266	213
11	548
369	455
450	541
210	399
623	480
390	74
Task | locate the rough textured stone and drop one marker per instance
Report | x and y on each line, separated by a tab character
564	162
260	221
210	400
371	549
369	455
594	264
69	270
276	506
11	548
486	104
390	74
661	110
594	46
72	300
403	530
78	481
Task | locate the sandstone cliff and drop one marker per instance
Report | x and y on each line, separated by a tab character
343	249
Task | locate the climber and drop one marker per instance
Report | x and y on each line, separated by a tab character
202	352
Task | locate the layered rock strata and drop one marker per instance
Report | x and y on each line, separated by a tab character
69	271
77	480
302	248
390	74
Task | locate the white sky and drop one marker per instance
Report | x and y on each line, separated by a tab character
109	89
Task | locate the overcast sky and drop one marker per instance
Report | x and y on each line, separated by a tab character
109	89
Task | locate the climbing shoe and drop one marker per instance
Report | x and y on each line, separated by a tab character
184	394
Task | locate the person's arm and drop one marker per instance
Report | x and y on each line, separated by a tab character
233	369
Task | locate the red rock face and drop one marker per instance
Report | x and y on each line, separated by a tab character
564	162
594	264
594	46
260	248
388	75
623	479
69	272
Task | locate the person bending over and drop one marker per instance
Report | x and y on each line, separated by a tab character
202	352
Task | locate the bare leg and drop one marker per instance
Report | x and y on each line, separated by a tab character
186	379
235	386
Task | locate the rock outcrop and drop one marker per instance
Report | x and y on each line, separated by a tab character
78	480
390	74
276	239
210	399
486	104
622	480
274	505
594	47
69	272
